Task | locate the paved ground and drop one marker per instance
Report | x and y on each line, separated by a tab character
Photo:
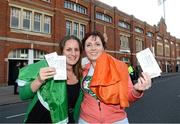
7	95
160	104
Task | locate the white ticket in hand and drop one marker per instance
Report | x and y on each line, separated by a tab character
50	58
59	63
148	63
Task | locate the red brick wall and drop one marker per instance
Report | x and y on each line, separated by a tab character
3	17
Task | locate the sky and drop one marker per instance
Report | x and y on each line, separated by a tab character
151	12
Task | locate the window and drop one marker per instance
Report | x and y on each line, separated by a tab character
80	9
75	28
15	17
38	55
75	7
139	45
82	31
30	20
123	24
159	38
19	53
125	59
159	48
47	0
69	5
103	17
68	27
47	24
173	48
165	40
37	22
167	50
124	42
138	30
27	19
150	34
23	54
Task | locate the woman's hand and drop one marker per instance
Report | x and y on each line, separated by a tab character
144	82
46	73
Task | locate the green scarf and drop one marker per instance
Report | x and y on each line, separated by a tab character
53	92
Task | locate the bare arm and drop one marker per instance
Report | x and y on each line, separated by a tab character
44	73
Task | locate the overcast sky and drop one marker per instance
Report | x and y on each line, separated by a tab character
151	12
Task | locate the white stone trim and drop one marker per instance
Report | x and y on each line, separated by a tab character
20	82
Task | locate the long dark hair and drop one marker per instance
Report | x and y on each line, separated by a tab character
77	66
95	34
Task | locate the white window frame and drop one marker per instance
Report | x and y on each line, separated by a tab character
80	27
149	34
103	17
68	27
123	24
21	15
47	21
139	45
159	38
15	13
81	31
159	48
124	42
167	50
37	19
76	29
139	30
27	16
75	7
47	1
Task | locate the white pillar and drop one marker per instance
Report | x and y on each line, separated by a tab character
30	56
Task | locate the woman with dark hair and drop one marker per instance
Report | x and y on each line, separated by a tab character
106	84
53	101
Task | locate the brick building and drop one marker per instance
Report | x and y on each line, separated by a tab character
29	29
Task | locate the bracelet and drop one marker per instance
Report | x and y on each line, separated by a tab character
41	81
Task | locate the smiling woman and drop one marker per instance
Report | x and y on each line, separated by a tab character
106	84
53	101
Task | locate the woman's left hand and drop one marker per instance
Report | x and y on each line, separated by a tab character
144	82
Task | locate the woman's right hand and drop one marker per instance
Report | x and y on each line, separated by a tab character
46	73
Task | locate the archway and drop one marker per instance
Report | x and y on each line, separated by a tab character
24	57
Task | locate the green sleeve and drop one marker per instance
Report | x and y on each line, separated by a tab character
25	92
25	78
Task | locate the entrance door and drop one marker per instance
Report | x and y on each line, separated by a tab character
12	64
22	56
